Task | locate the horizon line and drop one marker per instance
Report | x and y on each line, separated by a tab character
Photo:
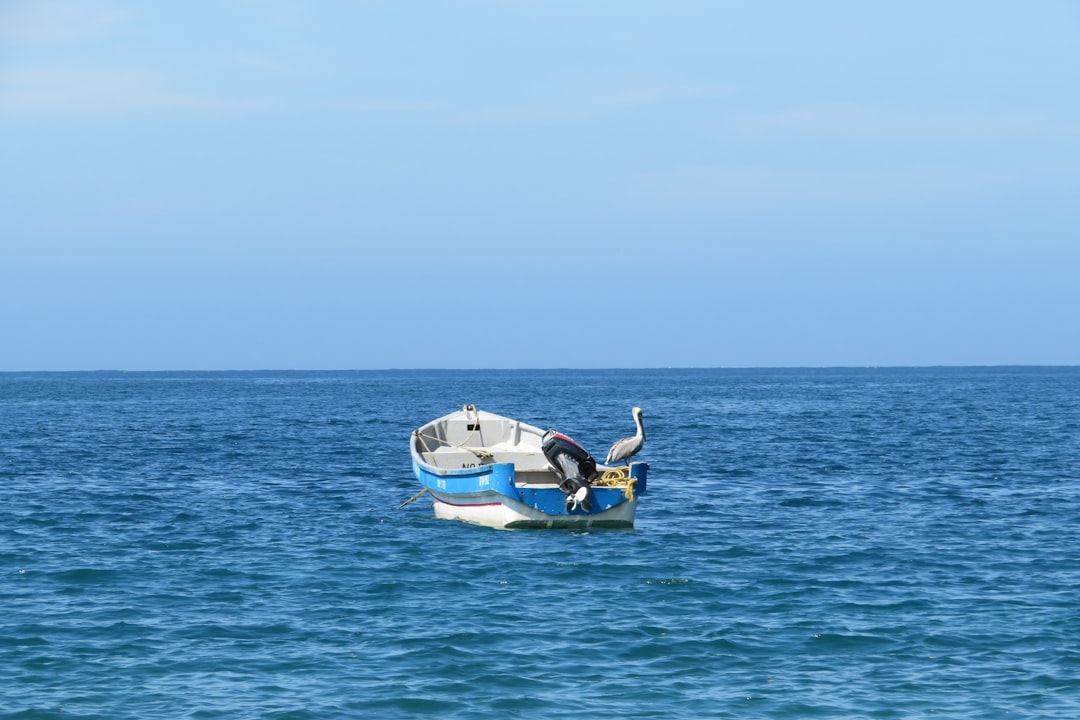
548	369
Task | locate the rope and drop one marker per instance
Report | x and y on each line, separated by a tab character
614	476
470	414
617	477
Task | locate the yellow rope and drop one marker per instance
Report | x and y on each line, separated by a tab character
617	477
614	476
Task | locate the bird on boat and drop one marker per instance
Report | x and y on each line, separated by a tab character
628	447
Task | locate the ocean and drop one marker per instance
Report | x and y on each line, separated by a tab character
815	543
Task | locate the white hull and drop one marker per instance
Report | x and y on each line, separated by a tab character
514	516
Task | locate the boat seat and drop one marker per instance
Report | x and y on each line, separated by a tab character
452	458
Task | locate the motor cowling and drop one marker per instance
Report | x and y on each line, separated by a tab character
574	465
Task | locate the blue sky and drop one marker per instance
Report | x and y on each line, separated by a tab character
514	184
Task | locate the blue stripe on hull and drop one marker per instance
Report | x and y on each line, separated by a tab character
489	484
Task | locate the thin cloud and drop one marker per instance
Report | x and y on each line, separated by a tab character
763	187
589	103
284	13
865	123
37	23
79	90
547	110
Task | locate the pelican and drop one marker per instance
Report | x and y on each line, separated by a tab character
628	447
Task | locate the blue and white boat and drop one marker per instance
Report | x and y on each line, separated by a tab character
490	470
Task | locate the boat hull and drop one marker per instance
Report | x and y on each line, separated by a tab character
490	496
509	515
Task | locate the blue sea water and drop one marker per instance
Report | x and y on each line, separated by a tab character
863	543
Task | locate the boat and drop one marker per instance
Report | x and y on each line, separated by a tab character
491	470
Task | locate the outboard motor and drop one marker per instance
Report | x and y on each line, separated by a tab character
574	465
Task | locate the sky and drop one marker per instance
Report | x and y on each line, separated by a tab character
369	184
